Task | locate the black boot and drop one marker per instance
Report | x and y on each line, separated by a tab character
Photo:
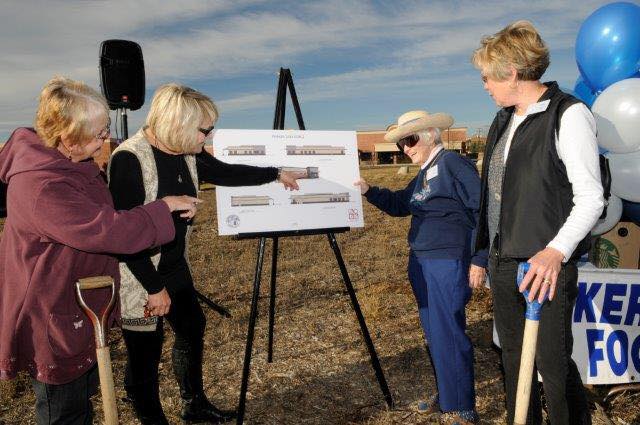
187	367
199	409
146	403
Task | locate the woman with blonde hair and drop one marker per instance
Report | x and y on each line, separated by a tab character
61	226
541	195
166	157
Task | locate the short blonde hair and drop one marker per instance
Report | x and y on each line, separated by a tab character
68	108
518	45
176	113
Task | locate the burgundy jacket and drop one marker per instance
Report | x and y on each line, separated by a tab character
61	226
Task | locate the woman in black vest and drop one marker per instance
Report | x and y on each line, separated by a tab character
541	195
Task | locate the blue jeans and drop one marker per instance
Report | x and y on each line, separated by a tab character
66	404
441	288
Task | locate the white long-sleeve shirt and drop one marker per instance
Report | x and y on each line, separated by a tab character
577	147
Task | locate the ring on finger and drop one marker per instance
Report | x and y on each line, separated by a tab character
546	281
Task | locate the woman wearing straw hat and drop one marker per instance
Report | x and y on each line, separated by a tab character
443	203
541	195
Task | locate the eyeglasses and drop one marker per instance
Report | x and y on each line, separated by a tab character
409	141
106	131
206	131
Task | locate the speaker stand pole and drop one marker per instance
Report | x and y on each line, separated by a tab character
125	126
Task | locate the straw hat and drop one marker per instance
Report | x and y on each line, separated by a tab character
414	121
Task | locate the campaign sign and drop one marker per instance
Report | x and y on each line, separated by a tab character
606	326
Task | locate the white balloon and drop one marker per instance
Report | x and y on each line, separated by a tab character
614	212
625	175
617	112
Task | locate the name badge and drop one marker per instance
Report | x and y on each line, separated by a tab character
432	172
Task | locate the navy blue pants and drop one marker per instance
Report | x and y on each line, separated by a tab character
441	288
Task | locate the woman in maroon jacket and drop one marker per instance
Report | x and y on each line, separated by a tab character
61	226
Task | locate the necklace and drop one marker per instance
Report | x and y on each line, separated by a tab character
156	143
178	162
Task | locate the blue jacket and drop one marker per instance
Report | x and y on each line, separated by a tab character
443	201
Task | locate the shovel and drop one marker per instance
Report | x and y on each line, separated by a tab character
529	342
102	349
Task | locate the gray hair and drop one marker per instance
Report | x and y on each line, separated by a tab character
431	135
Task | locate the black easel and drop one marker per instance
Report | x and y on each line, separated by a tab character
278	124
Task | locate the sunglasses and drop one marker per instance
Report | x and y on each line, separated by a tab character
206	131
409	141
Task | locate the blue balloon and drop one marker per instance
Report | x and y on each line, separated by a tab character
631	211
583	92
608	45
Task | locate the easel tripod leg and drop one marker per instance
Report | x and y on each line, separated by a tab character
252	325
272	298
363	326
213	306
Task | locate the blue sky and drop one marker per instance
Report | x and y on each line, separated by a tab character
357	65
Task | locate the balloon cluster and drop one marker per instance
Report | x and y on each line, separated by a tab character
608	57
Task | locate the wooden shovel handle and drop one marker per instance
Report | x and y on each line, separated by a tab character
527	361
95	282
106	386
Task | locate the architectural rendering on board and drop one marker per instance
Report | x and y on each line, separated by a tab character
251	200
246	150
315	150
318	198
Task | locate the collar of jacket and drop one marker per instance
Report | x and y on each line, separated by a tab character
552	89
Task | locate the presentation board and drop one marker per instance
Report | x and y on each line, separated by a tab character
326	163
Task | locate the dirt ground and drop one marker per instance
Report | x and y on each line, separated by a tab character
321	372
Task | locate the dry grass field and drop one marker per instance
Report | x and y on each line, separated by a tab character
321	372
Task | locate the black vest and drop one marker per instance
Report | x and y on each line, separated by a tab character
536	192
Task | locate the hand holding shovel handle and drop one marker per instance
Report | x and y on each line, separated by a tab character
102	349
528	356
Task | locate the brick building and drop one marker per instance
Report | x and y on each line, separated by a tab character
372	147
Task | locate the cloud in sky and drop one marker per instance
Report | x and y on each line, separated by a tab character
350	54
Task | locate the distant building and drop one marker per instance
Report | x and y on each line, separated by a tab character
476	143
105	153
373	148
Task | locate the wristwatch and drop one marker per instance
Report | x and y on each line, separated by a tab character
279	173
